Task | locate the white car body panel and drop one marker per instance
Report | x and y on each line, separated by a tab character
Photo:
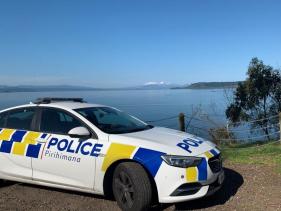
145	147
15	166
62	167
164	139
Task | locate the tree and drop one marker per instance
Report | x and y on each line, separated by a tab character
258	97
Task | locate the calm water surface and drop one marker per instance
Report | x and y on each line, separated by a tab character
145	104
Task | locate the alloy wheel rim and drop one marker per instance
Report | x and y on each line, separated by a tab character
125	189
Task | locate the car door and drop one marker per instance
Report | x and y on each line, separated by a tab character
18	143
64	160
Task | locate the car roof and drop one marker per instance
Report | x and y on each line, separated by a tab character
71	105
62	104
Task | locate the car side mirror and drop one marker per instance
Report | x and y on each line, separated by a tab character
79	132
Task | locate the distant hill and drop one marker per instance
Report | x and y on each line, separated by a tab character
210	85
57	88
147	86
29	88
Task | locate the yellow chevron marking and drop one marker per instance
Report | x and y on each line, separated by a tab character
19	148
117	152
31	137
191	174
208	155
5	134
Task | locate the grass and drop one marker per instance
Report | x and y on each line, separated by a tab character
267	154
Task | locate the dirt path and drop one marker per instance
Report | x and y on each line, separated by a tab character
247	187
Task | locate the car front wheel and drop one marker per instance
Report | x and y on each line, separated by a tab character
131	187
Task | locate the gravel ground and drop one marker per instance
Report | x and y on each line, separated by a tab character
247	187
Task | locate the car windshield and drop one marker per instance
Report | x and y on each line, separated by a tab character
112	121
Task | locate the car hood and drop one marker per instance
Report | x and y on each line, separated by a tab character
165	140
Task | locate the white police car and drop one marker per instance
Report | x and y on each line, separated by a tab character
69	144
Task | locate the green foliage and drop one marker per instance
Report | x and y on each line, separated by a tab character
258	97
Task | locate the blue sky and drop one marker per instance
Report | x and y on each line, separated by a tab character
117	43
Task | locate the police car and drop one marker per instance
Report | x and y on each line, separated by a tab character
70	144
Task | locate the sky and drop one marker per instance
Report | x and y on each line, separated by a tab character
121	43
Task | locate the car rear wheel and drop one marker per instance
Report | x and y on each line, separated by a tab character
131	187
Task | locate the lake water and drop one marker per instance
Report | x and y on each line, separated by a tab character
148	105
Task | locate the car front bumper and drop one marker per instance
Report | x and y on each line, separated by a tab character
190	191
182	184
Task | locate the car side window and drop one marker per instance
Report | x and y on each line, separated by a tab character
3	117
57	121
20	118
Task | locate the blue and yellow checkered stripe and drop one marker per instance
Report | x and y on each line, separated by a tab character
20	142
200	173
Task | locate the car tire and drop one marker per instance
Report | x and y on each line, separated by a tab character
131	187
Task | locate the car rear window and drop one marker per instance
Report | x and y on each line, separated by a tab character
57	121
20	118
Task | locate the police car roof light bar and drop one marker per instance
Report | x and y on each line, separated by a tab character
47	100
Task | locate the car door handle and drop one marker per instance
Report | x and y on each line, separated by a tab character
41	140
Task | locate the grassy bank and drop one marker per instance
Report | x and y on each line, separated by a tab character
267	154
